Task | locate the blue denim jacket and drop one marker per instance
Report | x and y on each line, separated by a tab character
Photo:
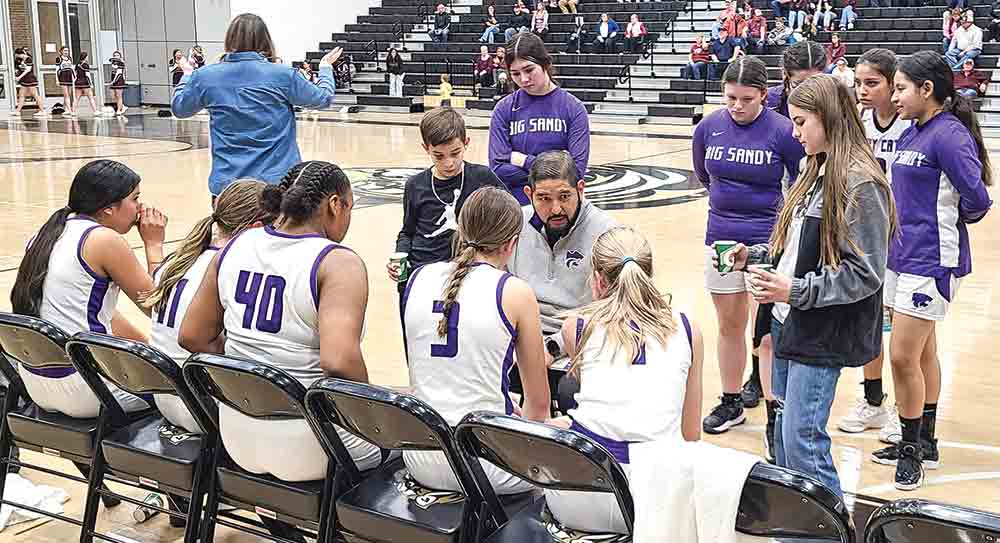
253	124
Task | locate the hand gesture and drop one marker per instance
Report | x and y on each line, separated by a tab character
152	225
185	65
332	57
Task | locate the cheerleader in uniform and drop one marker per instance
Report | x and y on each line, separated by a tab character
83	84
66	74
27	82
197	57
175	69
118	81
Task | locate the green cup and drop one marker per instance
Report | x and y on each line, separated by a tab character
726	251
403	261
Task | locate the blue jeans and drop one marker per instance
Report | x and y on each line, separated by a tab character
847	16
956	57
511	32
805	394
489	33
945	45
696	70
779	8
796	19
968	93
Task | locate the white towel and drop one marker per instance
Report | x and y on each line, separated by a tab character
18	489
687	492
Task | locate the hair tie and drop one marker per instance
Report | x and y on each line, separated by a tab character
626	260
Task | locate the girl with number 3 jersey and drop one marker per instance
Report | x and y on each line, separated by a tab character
291	296
464	322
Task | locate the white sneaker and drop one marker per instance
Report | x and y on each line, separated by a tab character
864	416
892	432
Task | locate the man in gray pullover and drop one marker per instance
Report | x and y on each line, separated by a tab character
554	250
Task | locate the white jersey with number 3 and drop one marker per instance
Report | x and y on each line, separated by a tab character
883	140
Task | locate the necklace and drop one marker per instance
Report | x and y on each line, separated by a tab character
461	186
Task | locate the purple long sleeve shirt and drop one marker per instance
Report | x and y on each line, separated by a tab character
937	181
742	167
533	125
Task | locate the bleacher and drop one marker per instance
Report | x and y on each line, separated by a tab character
628	88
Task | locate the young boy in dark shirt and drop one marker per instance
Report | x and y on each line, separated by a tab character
433	198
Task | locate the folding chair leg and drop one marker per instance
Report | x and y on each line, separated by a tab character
95	476
196	511
211	511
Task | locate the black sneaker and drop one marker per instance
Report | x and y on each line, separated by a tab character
769	443
752	393
909	467
890	455
723	417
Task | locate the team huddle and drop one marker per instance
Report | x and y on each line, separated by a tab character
508	276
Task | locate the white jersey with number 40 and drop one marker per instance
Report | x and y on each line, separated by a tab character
884	139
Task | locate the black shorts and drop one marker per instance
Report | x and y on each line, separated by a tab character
762	323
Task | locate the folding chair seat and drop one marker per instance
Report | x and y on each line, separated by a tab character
919	521
388	505
559	460
260	391
781	503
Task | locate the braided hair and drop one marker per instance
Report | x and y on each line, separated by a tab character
303	189
489	219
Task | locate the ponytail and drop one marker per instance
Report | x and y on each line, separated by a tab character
179	262
26	295
962	107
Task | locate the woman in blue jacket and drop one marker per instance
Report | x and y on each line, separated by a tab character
606	34
251	102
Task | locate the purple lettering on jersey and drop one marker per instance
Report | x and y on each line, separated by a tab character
268	316
247	295
450	348
175	302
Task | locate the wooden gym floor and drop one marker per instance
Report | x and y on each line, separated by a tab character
643	178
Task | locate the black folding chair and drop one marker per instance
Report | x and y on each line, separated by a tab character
40	346
149	453
549	457
784	504
921	521
259	391
388	506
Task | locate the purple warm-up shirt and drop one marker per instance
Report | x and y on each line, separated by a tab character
533	125
937	181
742	167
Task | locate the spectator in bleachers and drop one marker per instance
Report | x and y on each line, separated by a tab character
843	73
568	6
848	15
519	22
798	63
825	15
781	8
445	90
483	68
635	34
811	10
721	18
575	42
490	25
540	21
967	43
606	34
723	50
442	24
994	26
756	33
736	25
500	73
797	14
552	6
959	4
697	60
197	56
949	24
540	116
970	82
394	66
307	72
834	50
780	34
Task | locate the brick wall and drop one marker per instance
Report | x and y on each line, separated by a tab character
20	23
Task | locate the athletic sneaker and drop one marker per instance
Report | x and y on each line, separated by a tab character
864	416
723	417
892	432
909	468
769	443
751	393
889	456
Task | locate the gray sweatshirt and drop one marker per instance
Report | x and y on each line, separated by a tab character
559	275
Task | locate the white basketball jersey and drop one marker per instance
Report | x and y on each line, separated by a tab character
466	370
633	400
267	286
168	317
883	141
74	297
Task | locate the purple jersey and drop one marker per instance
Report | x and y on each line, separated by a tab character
533	125
937	181
777	100
742	166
